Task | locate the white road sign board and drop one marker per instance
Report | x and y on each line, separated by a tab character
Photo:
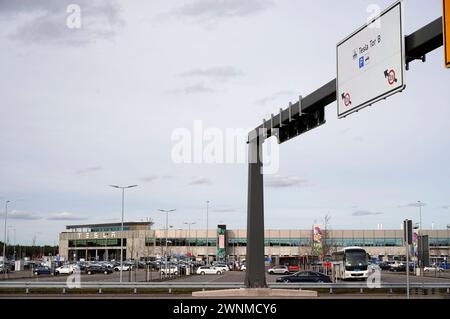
371	62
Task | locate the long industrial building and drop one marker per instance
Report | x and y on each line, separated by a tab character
103	242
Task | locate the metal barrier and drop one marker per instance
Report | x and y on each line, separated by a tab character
215	285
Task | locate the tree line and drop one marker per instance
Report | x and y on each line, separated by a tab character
33	252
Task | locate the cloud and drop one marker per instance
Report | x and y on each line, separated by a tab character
88	170
366	213
65	216
200	180
197	88
211	11
45	21
445	207
20	215
149	178
413	205
217	73
194	89
278	181
358	139
273	97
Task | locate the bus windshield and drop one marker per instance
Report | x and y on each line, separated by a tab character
355	258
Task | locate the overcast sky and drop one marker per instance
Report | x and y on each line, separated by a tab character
81	109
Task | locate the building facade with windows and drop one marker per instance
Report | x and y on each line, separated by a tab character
140	241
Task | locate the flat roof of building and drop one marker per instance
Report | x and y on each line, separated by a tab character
146	223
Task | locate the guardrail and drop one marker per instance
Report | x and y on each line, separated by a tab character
99	286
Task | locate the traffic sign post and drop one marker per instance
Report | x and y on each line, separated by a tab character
446	28
371	62
407	238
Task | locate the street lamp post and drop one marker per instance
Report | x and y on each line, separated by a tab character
189	234
420	234
207	233
121	225
167	211
4	242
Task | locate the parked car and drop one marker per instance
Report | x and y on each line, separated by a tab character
384	265
444	265
281	269
243	267
107	264
209	270
42	270
4	268
142	264
222	267
125	267
154	265
305	276
374	267
81	265
401	268
98	269
170	270
433	268
66	270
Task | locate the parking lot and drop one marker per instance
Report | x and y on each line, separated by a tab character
127	276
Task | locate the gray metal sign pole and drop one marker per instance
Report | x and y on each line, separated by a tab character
255	275
407	242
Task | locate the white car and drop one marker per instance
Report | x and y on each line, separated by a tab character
209	270
222	267
243	267
124	268
279	270
170	270
433	269
66	269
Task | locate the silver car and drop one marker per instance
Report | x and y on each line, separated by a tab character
278	270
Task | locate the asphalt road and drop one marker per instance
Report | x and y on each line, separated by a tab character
237	276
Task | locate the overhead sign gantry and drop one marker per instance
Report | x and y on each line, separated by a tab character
446	28
297	119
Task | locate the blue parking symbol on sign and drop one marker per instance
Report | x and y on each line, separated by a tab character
361	62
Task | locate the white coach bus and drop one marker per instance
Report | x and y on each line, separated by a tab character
350	263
